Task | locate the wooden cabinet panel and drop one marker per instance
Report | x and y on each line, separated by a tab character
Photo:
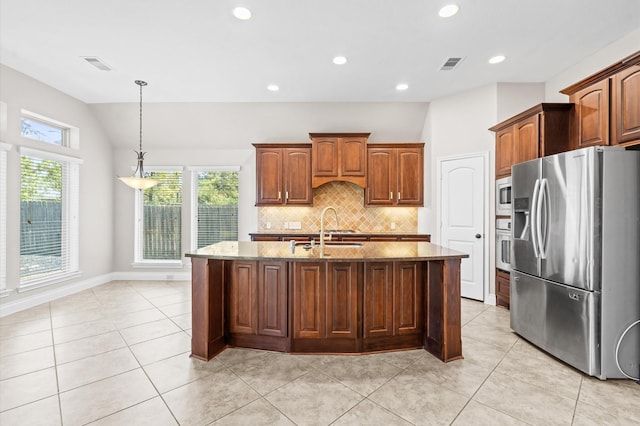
269	187
353	156
272	299
243	300
526	139
592	115
309	302
378	299
504	152
283	175
381	177
395	175
325	157
297	176
339	157
408	287
503	288
410	178
625	126
342	300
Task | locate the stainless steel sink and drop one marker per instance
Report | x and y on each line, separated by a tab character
342	244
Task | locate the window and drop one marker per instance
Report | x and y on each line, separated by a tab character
49	205
215	206
4	147
36	128
159	218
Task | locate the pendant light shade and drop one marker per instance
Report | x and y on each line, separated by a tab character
138	180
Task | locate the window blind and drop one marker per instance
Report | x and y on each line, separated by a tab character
216	207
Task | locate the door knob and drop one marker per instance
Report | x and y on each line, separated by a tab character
478	236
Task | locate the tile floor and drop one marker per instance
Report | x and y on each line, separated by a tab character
119	355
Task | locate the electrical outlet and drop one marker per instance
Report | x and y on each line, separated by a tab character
286	225
295	225
268	225
393	225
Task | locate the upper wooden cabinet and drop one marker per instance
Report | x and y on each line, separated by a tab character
395	175
608	105
626	106
537	132
339	157
283	174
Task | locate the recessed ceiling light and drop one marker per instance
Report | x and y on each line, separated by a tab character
242	13
448	10
402	86
340	60
273	87
497	59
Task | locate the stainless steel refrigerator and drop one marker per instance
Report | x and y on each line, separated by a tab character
575	259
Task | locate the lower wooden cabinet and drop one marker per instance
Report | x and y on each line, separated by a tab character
393	295
257	302
325	300
503	288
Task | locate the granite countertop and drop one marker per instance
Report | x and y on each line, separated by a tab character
365	251
337	233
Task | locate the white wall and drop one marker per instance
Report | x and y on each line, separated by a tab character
96	180
590	65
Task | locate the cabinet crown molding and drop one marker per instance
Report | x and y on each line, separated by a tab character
629	61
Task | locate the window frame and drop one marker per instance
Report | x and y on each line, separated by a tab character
194	195
70	215
138	259
4	149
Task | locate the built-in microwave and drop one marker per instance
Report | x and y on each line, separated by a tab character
503	196
503	244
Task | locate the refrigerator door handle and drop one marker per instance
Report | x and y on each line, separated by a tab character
543	199
534	216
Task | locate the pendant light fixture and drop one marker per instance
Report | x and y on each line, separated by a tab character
138	180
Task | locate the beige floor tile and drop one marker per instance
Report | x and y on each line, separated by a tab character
153	289
183	321
116	307
25	343
364	374
26	362
541	370
209	398
162	348
528	403
77	317
401	359
370	414
27	388
152	412
59	308
419	401
176	309
314	399
23	328
179	370
149	331
475	414
257	413
618	397
483	354
460	376
88	370
170	299
88	346
590	415
131	319
100	399
80	331
267	373
31	314
45	412
470	309
234	356
496	336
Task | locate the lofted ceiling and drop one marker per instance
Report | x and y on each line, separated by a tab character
197	51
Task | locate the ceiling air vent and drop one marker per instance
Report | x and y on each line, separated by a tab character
450	64
97	62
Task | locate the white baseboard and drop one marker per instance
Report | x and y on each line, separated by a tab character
27	302
490	299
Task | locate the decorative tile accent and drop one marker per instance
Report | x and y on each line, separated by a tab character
348	200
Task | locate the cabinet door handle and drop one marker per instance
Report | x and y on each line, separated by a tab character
286	195
391	195
398	195
279	195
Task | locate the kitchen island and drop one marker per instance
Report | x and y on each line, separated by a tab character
343	298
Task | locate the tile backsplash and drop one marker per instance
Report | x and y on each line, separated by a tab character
348	200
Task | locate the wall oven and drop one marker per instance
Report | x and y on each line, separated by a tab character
503	244
503	196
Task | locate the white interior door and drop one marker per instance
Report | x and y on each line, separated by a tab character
462	211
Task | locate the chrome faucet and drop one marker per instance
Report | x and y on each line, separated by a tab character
322	224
